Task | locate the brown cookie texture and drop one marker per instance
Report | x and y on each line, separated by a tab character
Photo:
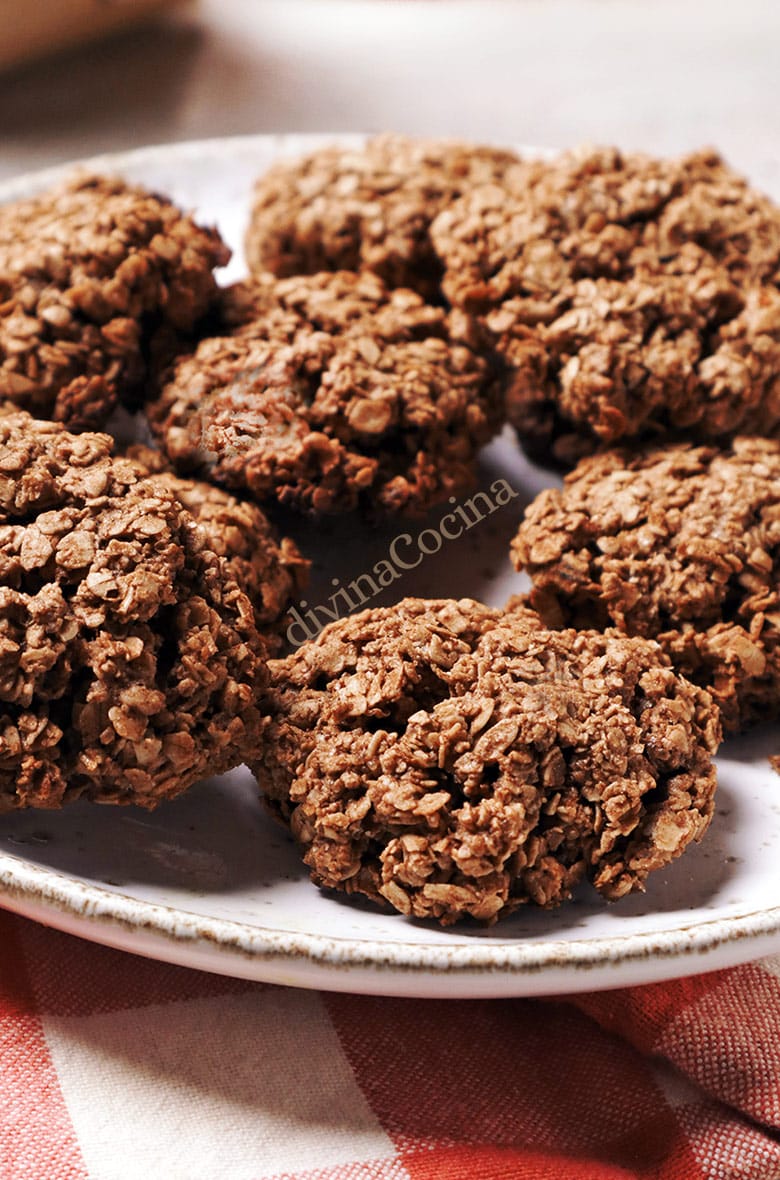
449	760
130	662
331	392
680	544
630	296
367	208
270	569
97	279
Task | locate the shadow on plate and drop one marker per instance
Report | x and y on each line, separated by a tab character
345	550
217	838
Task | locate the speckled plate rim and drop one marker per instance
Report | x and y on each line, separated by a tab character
382	967
258	952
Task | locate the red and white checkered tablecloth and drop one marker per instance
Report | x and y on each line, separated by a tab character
118	1068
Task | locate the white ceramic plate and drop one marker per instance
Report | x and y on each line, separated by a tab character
210	881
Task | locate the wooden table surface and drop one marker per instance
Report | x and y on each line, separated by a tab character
664	75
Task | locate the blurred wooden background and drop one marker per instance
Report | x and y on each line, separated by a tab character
664	75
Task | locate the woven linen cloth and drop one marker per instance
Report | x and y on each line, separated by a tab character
114	1067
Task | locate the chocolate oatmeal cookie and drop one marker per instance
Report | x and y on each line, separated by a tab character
450	760
270	569
129	659
681	544
94	276
630	296
365	208
329	392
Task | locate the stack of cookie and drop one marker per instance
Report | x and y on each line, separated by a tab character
406	301
137	609
620	300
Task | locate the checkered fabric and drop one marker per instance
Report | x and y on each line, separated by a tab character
118	1068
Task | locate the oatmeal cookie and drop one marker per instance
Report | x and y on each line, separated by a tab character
365	208
630	296
681	544
94	276
130	662
270	569
451	760
329	392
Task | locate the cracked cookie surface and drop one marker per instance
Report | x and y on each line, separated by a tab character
329	392
365	208
130	661
270	569
631	297
681	544
449	760
97	278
